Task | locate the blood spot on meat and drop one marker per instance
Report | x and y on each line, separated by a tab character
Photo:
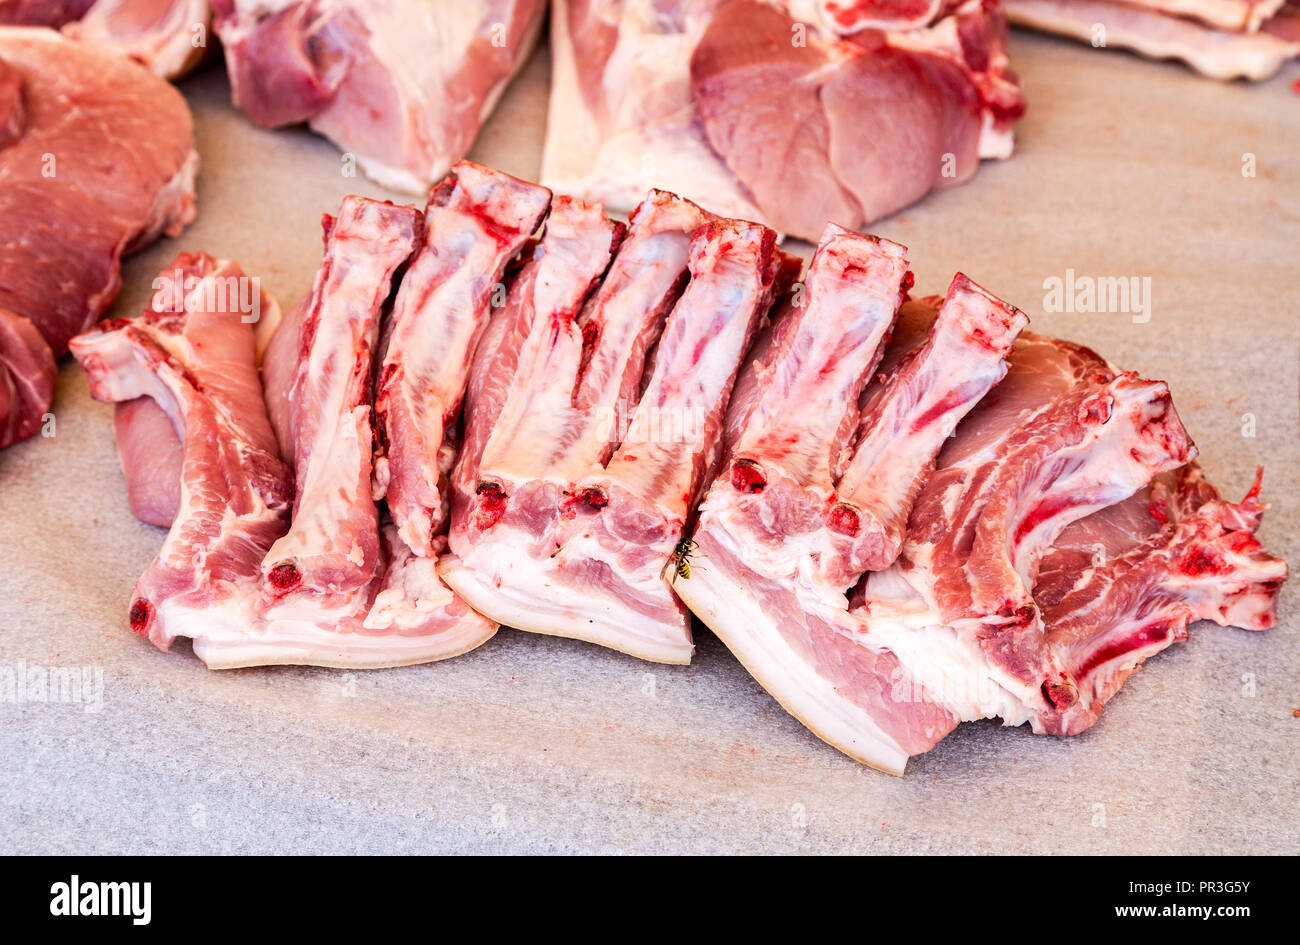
141	616
747	476
1021	616
491	504
1203	560
285	576
1060	693
592	498
1095	410
845	520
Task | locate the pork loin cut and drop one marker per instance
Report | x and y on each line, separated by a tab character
791	113
1124	583
197	362
1062	436
1266	36
96	159
602	440
403	87
332	549
311	574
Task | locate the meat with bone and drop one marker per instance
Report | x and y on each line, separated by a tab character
332	547
729	103
1123	583
402	86
339	589
196	360
149	446
992	608
1215	52
477	221
168	37
594	461
333	587
65	219
1064	435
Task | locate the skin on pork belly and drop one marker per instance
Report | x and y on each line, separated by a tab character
607	431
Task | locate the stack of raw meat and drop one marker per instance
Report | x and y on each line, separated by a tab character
899	513
1223	39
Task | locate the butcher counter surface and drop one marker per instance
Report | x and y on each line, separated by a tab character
1124	168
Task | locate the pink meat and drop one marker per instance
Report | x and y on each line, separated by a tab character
402	88
167	37
52	13
793	112
1124	583
333	544
1062	436
98	160
1152	29
198	363
608	429
27	378
908	417
153	459
842	131
476	221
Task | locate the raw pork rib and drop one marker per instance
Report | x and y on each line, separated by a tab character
1055	540
605	435
66	220
402	86
1234	38
729	103
476	222
338	589
198	363
321	581
168	37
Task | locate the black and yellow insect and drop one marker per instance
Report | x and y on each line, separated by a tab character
682	555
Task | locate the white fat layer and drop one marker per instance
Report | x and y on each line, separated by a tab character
730	612
1219	55
653	138
943	668
529	593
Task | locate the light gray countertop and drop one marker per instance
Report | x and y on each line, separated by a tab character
1124	167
